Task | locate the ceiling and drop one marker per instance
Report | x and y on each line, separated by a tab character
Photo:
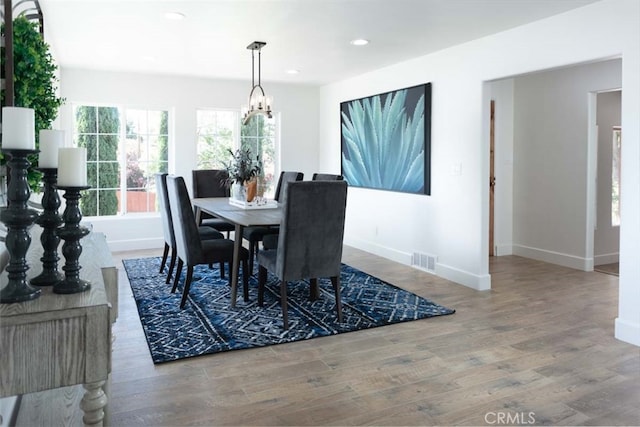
311	36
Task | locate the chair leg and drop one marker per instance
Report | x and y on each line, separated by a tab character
314	291
164	256
262	279
283	303
245	280
187	286
252	248
335	281
172	264
178	272
222	269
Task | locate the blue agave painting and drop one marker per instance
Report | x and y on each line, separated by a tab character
385	140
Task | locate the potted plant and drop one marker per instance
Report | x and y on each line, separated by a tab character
243	170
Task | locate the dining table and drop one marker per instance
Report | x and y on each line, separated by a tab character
253	216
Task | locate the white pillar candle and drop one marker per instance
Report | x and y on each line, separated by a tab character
72	167
50	141
18	128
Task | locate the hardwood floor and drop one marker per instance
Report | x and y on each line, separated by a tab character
536	349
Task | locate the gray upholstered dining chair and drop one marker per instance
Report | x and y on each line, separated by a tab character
204	232
191	250
211	183
254	235
310	240
326	177
270	241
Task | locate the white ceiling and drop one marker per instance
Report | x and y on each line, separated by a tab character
311	36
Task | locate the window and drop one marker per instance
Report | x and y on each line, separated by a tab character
615	177
125	148
259	136
217	134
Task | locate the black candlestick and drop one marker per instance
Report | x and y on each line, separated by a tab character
18	218
49	220
71	233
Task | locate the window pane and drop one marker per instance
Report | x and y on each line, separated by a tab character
108	175
90	143
108	148
88	203
108	120
215	131
86	119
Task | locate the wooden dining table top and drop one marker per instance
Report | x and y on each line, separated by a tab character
221	208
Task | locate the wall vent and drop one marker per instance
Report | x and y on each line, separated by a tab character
424	261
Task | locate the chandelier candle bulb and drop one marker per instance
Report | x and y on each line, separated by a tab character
50	141
72	167
18	128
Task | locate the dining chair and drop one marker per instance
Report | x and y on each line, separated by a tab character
204	232
326	177
254	235
211	183
270	241
191	250
309	242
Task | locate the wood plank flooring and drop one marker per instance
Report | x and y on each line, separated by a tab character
536	349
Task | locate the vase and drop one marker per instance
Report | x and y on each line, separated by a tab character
238	192
251	189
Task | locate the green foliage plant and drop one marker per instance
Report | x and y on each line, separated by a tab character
35	82
242	167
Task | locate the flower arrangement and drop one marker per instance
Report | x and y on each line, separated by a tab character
242	167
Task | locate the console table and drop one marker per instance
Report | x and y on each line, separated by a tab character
62	340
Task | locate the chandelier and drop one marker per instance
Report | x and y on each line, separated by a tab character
259	103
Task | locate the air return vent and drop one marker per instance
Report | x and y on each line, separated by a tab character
424	261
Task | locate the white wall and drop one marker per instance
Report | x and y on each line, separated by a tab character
551	160
452	223
606	237
296	105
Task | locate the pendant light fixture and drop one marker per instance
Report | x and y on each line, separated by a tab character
259	103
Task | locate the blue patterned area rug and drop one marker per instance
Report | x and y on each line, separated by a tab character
209	325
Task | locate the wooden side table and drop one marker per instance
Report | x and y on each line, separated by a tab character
62	340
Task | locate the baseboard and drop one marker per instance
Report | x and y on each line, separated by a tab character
565	260
473	281
383	251
606	259
627	331
502	250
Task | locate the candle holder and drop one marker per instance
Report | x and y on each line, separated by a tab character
71	233
18	218
49	220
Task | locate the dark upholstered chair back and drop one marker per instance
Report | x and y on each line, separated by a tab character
165	211
326	177
188	243
210	183
312	230
285	177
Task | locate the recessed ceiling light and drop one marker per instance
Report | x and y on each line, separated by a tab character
293	71
359	42
174	16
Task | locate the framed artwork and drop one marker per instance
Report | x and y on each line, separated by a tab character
385	140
